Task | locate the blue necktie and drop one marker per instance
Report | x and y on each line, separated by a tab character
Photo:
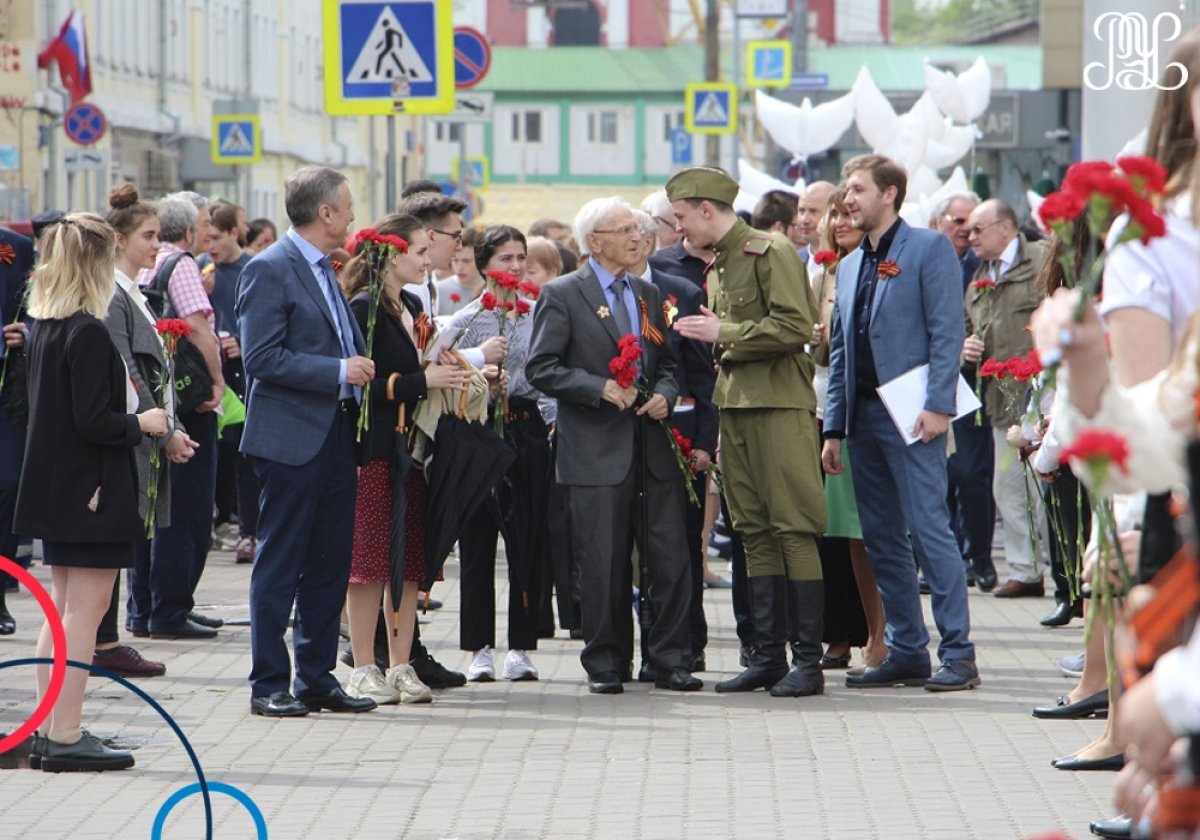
345	332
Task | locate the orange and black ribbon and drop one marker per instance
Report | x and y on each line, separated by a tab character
1156	627
650	332
7	254
337	265
887	269
423	330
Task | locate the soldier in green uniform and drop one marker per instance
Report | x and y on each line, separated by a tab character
761	318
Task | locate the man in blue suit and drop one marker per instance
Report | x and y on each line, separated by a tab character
305	370
899	306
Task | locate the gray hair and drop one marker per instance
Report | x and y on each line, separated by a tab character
176	216
307	189
657	204
198	201
943	206
645	222
592	214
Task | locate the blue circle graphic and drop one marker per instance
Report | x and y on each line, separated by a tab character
160	821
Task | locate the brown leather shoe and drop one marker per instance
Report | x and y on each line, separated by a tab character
1018	589
124	661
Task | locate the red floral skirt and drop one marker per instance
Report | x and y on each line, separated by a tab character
370	562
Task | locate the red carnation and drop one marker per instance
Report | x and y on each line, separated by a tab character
825	257
624	366
505	280
455	297
173	327
488	301
397	242
523	307
530	290
1098	448
1062	207
984	285
1147	175
992	367
1144	222
364	235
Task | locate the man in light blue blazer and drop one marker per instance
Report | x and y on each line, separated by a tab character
305	370
899	306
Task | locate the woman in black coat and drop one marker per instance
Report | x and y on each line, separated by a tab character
79	491
402	331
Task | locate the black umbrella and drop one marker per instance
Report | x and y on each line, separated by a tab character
467	462
402	463
523	497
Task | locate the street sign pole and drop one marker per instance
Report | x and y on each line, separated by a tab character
389	193
735	97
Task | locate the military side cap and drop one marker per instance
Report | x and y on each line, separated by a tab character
704	182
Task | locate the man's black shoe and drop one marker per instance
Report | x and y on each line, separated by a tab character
8	625
888	674
431	604
137	632
647	674
206	621
576	633
186	630
337	700
678	679
699	664
954	675
279	704
923	585
1062	615
970	570
985	573
1119	827
606	683
435	675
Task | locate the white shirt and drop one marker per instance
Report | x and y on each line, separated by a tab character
134	291
1007	257
1162	277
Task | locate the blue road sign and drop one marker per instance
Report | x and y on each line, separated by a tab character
768	65
472	57
236	138
810	81
385	57
681	147
84	123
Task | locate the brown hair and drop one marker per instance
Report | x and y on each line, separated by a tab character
126	211
358	273
1171	138
544	252
885	172
837	201
225	217
775	207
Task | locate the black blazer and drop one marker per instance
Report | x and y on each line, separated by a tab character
80	440
694	373
393	352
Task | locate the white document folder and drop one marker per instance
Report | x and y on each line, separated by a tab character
904	398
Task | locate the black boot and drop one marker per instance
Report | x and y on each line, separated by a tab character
767	662
806	619
7	625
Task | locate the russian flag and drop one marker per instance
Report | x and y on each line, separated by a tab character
69	50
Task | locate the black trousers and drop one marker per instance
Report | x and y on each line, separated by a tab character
1069	490
107	632
519	505
969	496
605	521
563	565
740	593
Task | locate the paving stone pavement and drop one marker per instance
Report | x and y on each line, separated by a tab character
548	760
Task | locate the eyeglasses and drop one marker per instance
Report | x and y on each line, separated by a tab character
623	230
958	220
457	235
971	231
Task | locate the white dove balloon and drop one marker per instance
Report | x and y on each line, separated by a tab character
964	97
955	141
805	130
908	143
874	116
753	184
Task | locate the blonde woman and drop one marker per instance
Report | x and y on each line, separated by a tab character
80	453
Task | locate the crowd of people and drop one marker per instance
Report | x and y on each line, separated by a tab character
340	405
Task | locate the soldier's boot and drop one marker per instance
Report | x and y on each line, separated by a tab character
766	657
806	622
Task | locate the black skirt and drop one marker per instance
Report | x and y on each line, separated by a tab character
87	555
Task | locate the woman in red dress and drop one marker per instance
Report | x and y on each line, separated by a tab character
399	380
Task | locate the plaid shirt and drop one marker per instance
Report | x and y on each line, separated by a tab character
184	287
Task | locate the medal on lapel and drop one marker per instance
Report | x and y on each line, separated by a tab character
603	312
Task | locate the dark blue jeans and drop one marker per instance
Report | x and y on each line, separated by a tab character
179	551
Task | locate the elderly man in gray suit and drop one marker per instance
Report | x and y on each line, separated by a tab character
898	306
305	370
601	429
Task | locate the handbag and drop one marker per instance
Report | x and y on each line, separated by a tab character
193	382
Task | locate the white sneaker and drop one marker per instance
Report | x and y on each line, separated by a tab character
368	681
482	669
518	668
404	680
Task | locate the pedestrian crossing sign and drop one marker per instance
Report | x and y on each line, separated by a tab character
711	108
388	57
471	173
236	138
768	63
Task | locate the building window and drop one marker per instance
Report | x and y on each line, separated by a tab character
602	128
670	123
531	122
449	132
